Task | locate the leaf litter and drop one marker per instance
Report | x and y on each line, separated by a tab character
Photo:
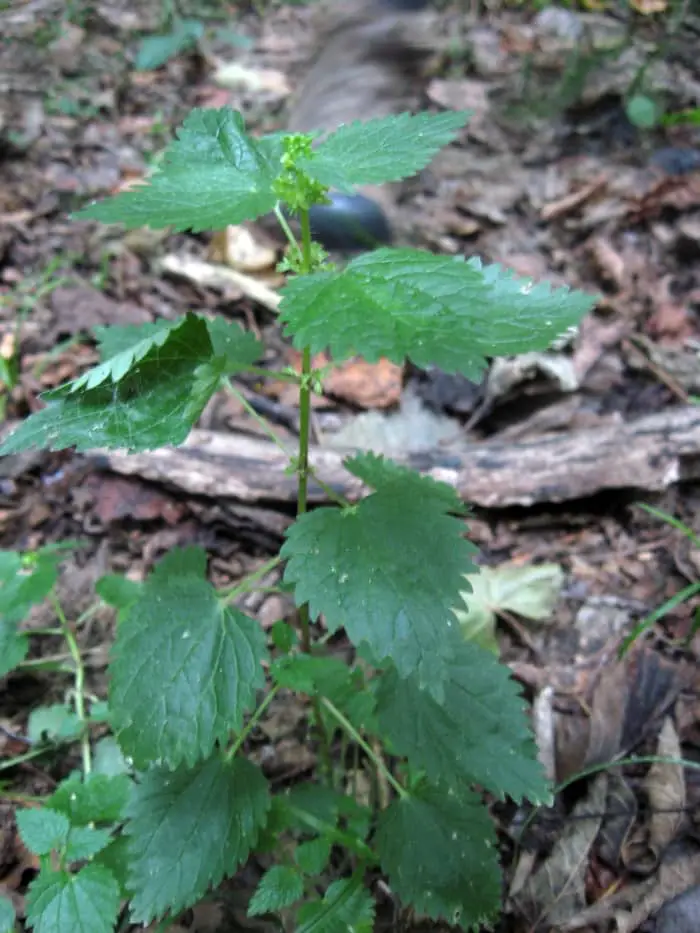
572	202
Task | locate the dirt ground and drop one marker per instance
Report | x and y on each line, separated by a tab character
551	179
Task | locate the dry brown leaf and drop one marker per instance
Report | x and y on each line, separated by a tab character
666	791
649	7
678	872
620	815
557	890
608	260
633	903
236	246
367	385
573	200
543	723
210	275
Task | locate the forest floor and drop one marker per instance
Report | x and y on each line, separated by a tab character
551	179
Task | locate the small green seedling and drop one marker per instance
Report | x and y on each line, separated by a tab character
75	835
688	592
23	300
436	720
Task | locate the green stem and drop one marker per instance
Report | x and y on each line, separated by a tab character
284	375
251	724
596	769
26	756
243	586
79	669
287	230
350	841
277	440
256	416
366	748
303	493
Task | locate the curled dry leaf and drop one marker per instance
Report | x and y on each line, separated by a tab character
557	890
665	787
530	592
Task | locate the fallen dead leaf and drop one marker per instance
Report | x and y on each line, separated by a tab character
620	815
544	729
213	275
235	75
610	262
665	788
558	888
679	871
528	591
574	199
649	7
679	915
367	385
236	246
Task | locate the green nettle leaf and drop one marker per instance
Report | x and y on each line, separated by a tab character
479	733
385	149
116	859
346	906
306	673
155	51
185	668
98	711
147	395
43	831
434	310
14	646
312	857
388	569
87	902
25	581
214	174
53	723
529	591
438	847
331	678
170	338
279	887
189	828
134	401
7	916
96	798
113	339
117	590
109	758
234	346
643	111
84	842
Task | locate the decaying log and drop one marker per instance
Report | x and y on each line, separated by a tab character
648	454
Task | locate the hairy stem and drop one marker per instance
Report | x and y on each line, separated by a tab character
365	746
302	494
79	671
251	724
246	584
258	418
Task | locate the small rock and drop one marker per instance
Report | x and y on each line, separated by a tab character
558	21
681	914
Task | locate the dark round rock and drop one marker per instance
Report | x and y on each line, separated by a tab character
408	6
350	222
676	160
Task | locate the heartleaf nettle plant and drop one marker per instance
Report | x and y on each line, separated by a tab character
437	719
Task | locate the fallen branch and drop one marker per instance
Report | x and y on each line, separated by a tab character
648	454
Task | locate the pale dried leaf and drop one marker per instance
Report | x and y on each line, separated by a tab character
665	787
557	889
545	732
676	874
